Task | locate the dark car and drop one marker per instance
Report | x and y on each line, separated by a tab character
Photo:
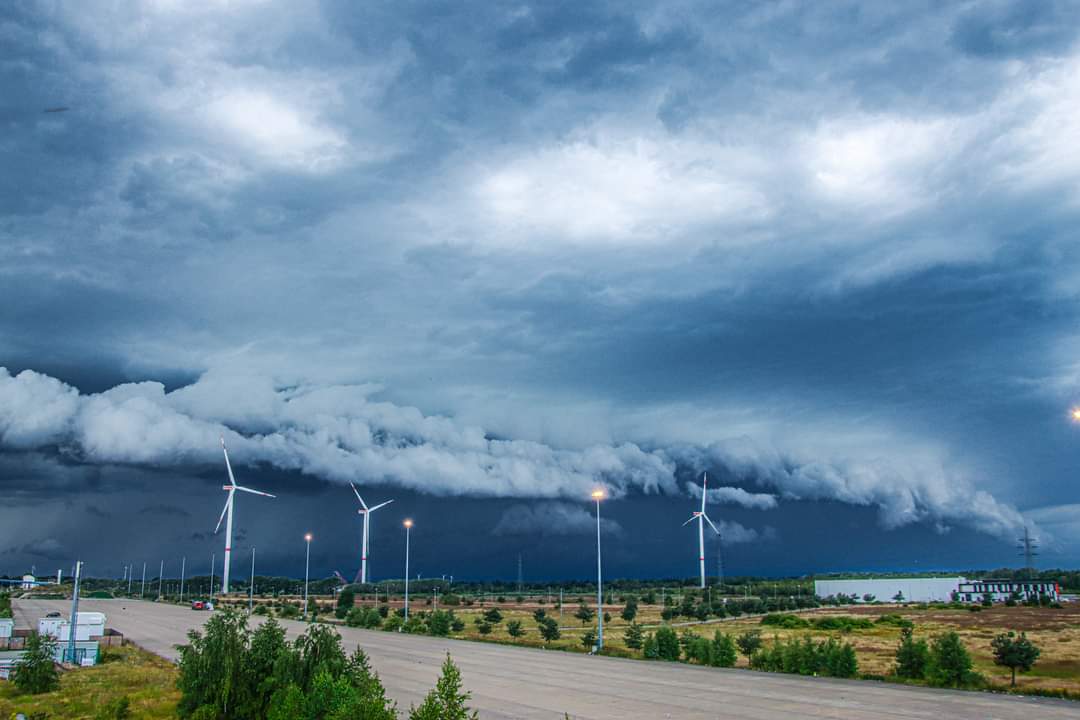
52	614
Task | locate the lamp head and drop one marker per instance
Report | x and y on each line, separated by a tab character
407	523
598	494
307	537
1075	414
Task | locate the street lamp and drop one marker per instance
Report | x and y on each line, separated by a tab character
408	526
598	495
1075	414
307	565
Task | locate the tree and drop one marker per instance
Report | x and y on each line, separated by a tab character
439	623
650	648
447	701
723	650
1015	653
588	638
749	642
539	614
633	636
345	602
483	626
584	613
493	616
667	643
549	630
912	656
514	628
950	663
630	611
35	672
899	596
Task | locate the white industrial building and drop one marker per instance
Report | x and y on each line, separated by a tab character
929	589
88	625
1002	590
7	628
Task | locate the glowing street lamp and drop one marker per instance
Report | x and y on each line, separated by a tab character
1075	414
598	495
408	527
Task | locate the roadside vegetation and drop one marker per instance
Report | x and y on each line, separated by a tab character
127	683
5	605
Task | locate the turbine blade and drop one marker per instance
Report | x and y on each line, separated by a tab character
223	511
380	505
710	523
704	490
228	465
692	519
357	493
255	492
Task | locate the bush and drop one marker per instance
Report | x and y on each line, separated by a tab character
785	620
588	638
447	700
549	629
393	623
723	650
363	617
384	610
584	613
539	614
493	616
844	623
650	648
895	621
457	624
483	626
633	636
439	623
912	656
667	643
35	672
950	662
805	657
451	599
514	628
630	611
749	642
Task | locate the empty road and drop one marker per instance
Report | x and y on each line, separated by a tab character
509	682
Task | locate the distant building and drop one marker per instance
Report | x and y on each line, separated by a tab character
89	625
28	582
1002	590
929	589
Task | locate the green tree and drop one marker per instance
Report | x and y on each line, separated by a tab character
1015	653
209	666
650	648
667	643
345	602
588	638
633	636
723	650
950	662
912	656
483	626
493	616
749	642
630	611
439	623
447	701
514	628
584	613
549	630
539	614
35	672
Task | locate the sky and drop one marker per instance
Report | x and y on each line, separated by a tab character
482	258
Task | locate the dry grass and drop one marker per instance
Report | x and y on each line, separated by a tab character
148	682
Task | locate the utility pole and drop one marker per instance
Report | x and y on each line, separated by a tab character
142	590
521	579
1027	548
161	574
74	613
213	558
130	575
251	588
183	564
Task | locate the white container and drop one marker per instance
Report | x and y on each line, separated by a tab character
7	627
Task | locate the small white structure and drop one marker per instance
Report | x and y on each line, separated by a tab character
88	625
930	589
28	582
7	627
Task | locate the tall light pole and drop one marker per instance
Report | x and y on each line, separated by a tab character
307	565
408	527
160	575
142	589
598	495
251	586
74	614
183	567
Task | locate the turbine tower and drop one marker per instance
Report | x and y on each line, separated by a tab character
362	576
702	518
226	514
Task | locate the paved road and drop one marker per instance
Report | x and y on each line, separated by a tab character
509	682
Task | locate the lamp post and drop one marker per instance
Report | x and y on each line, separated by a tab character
408	527
598	495
307	565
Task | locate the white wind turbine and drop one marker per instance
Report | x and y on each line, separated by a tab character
227	512
364	510
702	518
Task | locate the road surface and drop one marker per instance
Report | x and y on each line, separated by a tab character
512	682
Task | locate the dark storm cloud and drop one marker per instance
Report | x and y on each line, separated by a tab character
825	251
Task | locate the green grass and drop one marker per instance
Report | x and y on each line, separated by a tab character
5	605
148	682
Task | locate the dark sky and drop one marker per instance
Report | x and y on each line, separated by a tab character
482	258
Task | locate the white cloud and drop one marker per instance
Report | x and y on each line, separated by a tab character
550	519
735	496
732	533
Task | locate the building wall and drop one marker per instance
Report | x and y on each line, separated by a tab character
885	589
1002	590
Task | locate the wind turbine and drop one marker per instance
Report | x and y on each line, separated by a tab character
702	518
226	514
364	510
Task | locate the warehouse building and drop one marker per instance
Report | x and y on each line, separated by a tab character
929	589
1002	590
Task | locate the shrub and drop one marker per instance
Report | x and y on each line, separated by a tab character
549	629
912	656
539	614
785	620
749	642
633	636
457	624
698	650
514	628
950	663
667	643
493	616
35	672
447	701
630	611
363	617
451	599
650	649
384	610
483	626
439	623
588	638
584	613
844	623
393	623
805	657
895	621
723	650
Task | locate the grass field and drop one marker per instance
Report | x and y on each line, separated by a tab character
148	682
